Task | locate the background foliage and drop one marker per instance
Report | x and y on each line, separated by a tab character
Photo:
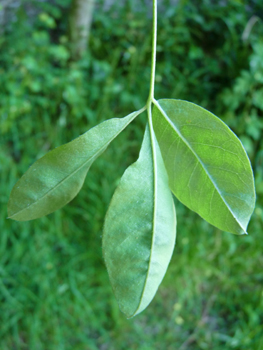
54	288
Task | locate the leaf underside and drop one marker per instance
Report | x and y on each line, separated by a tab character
208	168
56	178
139	231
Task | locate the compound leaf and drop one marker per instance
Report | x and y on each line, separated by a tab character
208	168
139	231
56	178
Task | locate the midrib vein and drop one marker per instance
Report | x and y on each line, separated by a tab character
154	162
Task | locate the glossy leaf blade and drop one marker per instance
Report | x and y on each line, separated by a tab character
208	168
139	231
56	178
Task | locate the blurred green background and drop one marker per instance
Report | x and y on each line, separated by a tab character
54	289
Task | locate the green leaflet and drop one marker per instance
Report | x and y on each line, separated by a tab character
139	231
55	179
208	168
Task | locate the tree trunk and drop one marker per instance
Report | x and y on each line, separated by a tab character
80	23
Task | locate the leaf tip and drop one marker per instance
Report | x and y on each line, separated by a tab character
10	213
129	317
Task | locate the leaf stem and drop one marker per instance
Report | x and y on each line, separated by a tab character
154	40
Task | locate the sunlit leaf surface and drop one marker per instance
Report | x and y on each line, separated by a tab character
208	168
